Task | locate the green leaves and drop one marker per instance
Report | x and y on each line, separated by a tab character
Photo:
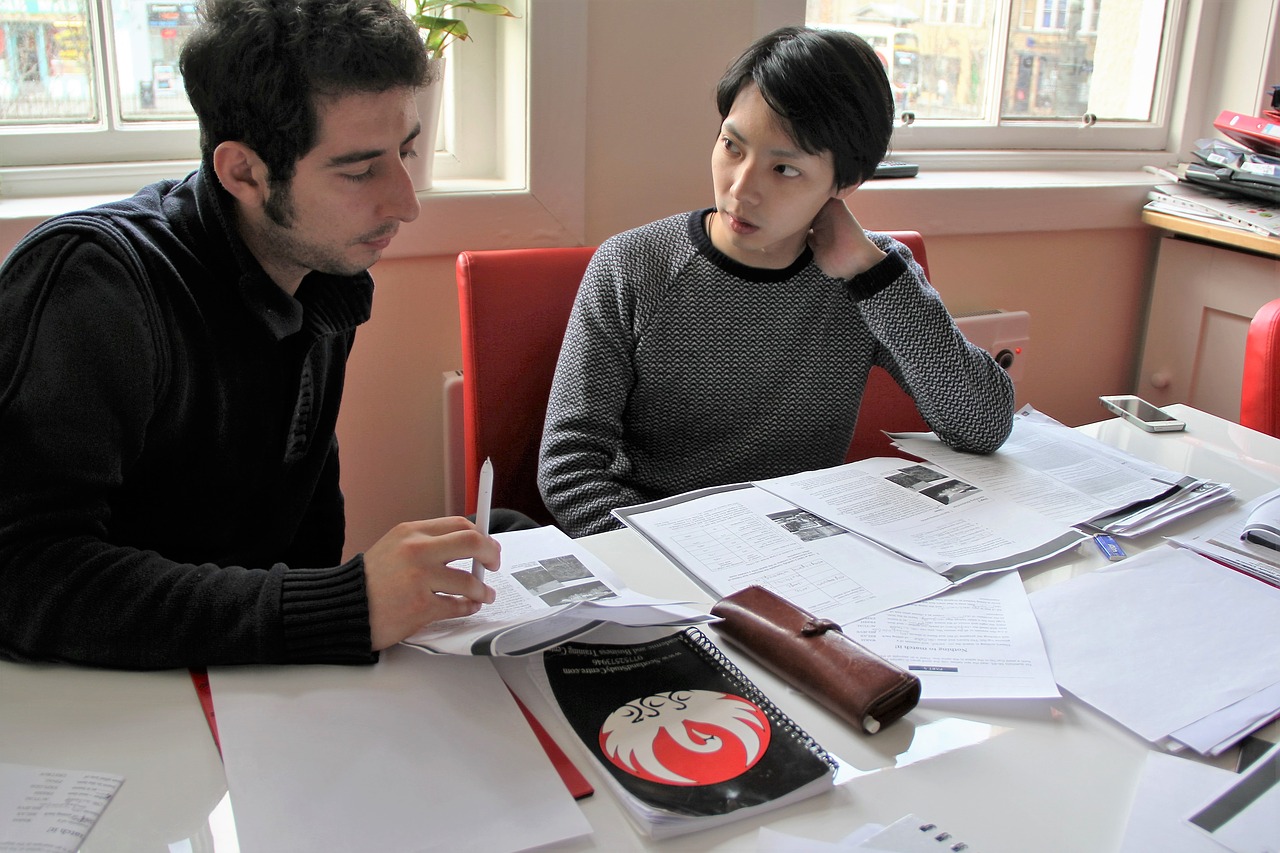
434	19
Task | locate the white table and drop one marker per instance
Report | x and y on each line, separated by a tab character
1006	776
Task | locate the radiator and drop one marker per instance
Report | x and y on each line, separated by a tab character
1004	334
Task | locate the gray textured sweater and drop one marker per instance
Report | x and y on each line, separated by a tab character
682	368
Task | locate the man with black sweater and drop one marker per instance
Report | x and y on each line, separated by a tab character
171	368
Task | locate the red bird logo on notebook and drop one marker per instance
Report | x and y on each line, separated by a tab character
686	737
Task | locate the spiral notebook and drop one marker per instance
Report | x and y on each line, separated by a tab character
683	737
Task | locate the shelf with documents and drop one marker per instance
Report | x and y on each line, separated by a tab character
1231	237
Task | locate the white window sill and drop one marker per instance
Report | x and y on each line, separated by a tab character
992	202
933	202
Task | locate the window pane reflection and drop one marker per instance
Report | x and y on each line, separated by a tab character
148	39
47	64
1059	60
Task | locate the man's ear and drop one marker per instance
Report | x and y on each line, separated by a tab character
241	172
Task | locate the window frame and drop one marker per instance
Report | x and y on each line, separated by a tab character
1013	145
486	116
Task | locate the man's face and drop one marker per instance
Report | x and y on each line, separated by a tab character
768	189
348	195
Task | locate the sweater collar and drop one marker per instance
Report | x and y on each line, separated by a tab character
702	242
324	304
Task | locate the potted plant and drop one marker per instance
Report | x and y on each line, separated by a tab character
437	22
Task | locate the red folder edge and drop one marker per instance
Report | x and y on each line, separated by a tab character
572	777
200	678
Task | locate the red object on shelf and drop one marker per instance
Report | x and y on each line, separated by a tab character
1254	132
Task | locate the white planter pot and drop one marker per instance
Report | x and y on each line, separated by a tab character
428	98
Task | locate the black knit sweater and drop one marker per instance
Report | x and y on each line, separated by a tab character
168	468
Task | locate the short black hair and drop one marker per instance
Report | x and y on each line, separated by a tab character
255	69
830	90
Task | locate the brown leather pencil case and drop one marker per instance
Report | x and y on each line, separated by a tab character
816	657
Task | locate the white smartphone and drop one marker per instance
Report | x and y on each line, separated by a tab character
1142	413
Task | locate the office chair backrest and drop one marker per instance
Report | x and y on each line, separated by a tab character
514	306
885	406
1260	384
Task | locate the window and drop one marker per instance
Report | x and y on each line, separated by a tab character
1022	74
91	82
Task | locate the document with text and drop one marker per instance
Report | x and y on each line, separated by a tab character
549	590
977	641
928	514
1073	478
730	537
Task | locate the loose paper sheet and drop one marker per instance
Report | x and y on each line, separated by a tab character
46	810
414	753
978	641
1161	639
1170	788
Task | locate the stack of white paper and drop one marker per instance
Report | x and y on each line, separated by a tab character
1173	646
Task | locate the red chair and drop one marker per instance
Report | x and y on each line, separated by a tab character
514	306
1260	385
885	406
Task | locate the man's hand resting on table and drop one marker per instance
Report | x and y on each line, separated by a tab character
409	583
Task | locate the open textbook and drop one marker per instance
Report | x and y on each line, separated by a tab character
731	537
549	590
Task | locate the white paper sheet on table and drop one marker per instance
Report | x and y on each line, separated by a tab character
1169	789
50	810
413	753
977	641
1245	817
1161	639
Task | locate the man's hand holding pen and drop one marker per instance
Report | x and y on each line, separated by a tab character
410	584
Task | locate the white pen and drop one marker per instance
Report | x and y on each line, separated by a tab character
484	496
